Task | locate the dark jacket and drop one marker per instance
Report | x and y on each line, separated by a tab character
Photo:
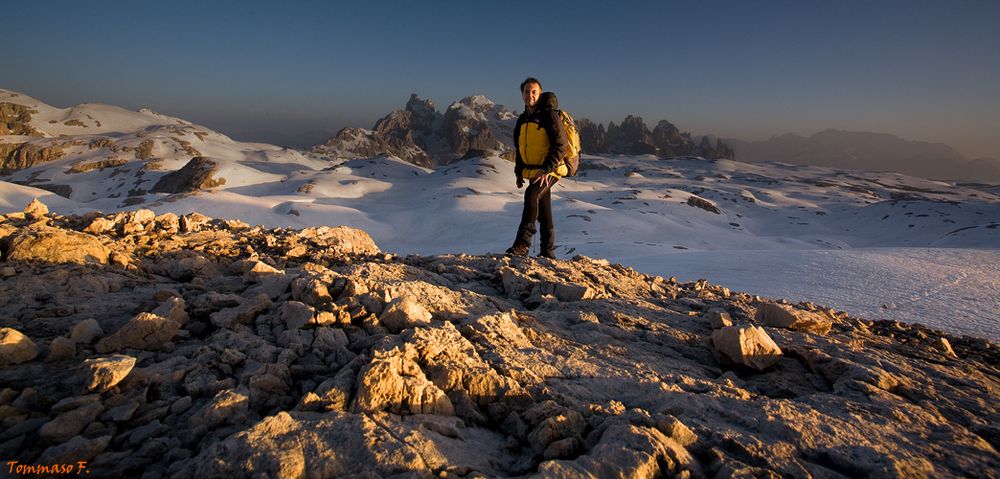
540	140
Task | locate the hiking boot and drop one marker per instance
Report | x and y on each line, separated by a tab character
548	254
518	250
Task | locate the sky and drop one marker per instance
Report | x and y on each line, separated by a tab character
294	73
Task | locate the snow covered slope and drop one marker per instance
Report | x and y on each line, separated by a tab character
881	245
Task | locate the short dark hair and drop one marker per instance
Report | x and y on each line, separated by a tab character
530	80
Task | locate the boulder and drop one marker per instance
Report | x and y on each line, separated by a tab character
943	346
102	374
394	382
311	444
334	394
245	313
719	319
76	449
404	312
61	348
295	314
70	423
747	346
36	209
173	309
100	225
15	347
144	331
55	245
86	331
230	406
784	316
196	175
572	292
341	240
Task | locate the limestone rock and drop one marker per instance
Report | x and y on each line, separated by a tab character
61	348
295	314
173	309
572	292
144	331
100	225
404	312
86	331
54	245
76	449
784	316
341	240
36	209
719	319
102	374
334	394
515	377
944	347
748	346
193	222
626	450
245	313
228	406
306	444
70	423
196	175
394	382
15	347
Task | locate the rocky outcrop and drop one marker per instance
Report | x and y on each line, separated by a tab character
197	174
421	135
16	120
632	137
476	123
18	156
240	350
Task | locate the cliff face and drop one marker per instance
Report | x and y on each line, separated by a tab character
198	347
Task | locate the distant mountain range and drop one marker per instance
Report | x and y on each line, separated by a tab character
421	135
871	152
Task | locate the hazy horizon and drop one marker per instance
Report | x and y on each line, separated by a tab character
295	76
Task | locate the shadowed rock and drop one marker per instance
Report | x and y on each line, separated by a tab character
196	175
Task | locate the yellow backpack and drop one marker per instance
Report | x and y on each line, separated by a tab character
573	148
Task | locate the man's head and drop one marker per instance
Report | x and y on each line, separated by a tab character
531	89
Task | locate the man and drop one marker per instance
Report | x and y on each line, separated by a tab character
541	144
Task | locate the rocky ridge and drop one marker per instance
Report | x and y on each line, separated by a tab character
419	134
197	347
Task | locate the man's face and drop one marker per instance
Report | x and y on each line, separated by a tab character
530	93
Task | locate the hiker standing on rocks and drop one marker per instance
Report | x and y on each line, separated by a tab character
541	144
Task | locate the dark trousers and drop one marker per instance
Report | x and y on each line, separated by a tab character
537	207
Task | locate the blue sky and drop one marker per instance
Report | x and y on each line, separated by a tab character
297	72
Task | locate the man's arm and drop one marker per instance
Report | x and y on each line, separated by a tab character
558	144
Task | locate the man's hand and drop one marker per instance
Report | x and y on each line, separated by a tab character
543	180
520	182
